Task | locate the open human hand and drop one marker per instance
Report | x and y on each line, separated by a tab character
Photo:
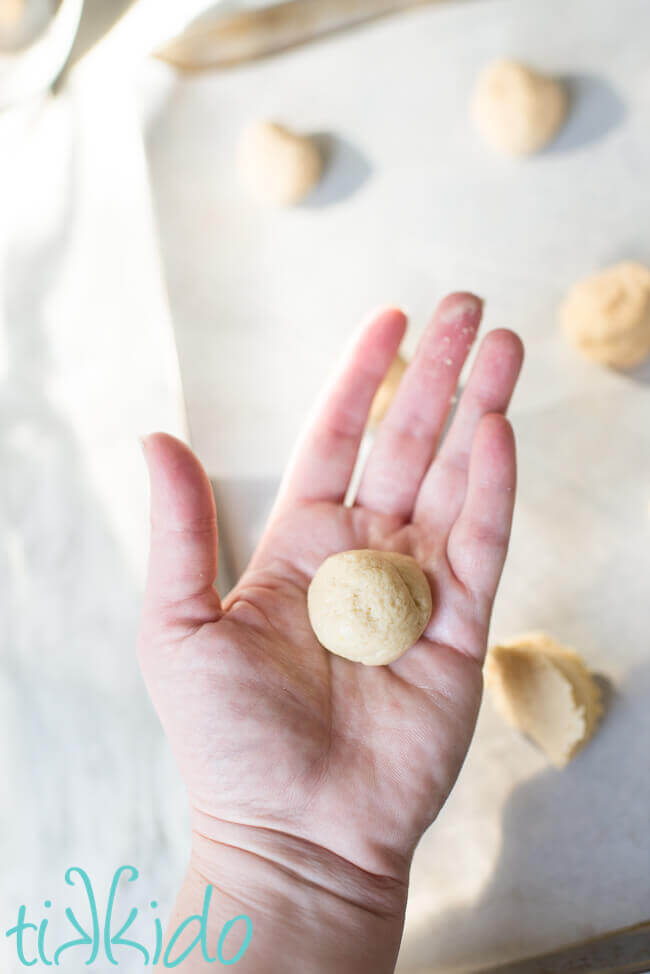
278	740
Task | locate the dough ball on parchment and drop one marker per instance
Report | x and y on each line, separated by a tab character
15	27
278	166
546	691
607	315
517	110
369	606
386	391
11	12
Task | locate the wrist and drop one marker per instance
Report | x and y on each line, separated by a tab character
309	909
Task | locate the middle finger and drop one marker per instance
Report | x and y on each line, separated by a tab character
408	435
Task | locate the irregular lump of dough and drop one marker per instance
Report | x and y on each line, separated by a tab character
386	391
369	606
545	691
607	315
276	165
517	110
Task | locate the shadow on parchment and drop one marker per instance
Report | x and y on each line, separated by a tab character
588	816
595	110
345	170
641	373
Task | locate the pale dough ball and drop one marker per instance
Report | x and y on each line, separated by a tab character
517	110
607	315
546	691
13	32
386	391
21	21
369	606
11	12
276	165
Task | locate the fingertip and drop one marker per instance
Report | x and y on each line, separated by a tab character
460	305
167	451
494	451
495	372
388	311
162	442
495	425
507	343
181	489
387	321
495	421
183	537
379	341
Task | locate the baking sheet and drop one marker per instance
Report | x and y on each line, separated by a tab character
523	858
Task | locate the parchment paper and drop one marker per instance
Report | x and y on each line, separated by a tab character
523	858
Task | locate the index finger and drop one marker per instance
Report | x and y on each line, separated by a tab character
326	454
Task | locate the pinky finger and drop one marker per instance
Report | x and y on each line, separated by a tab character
478	542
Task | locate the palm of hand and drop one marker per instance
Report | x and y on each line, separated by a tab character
270	729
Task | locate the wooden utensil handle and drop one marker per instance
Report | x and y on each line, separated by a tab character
245	36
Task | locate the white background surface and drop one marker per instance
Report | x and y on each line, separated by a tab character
87	365
523	858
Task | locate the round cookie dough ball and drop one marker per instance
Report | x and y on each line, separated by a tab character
11	11
607	315
278	166
386	391
517	110
17	27
369	606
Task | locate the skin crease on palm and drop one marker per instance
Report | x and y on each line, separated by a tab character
275	736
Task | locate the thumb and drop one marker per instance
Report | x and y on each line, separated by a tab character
183	545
